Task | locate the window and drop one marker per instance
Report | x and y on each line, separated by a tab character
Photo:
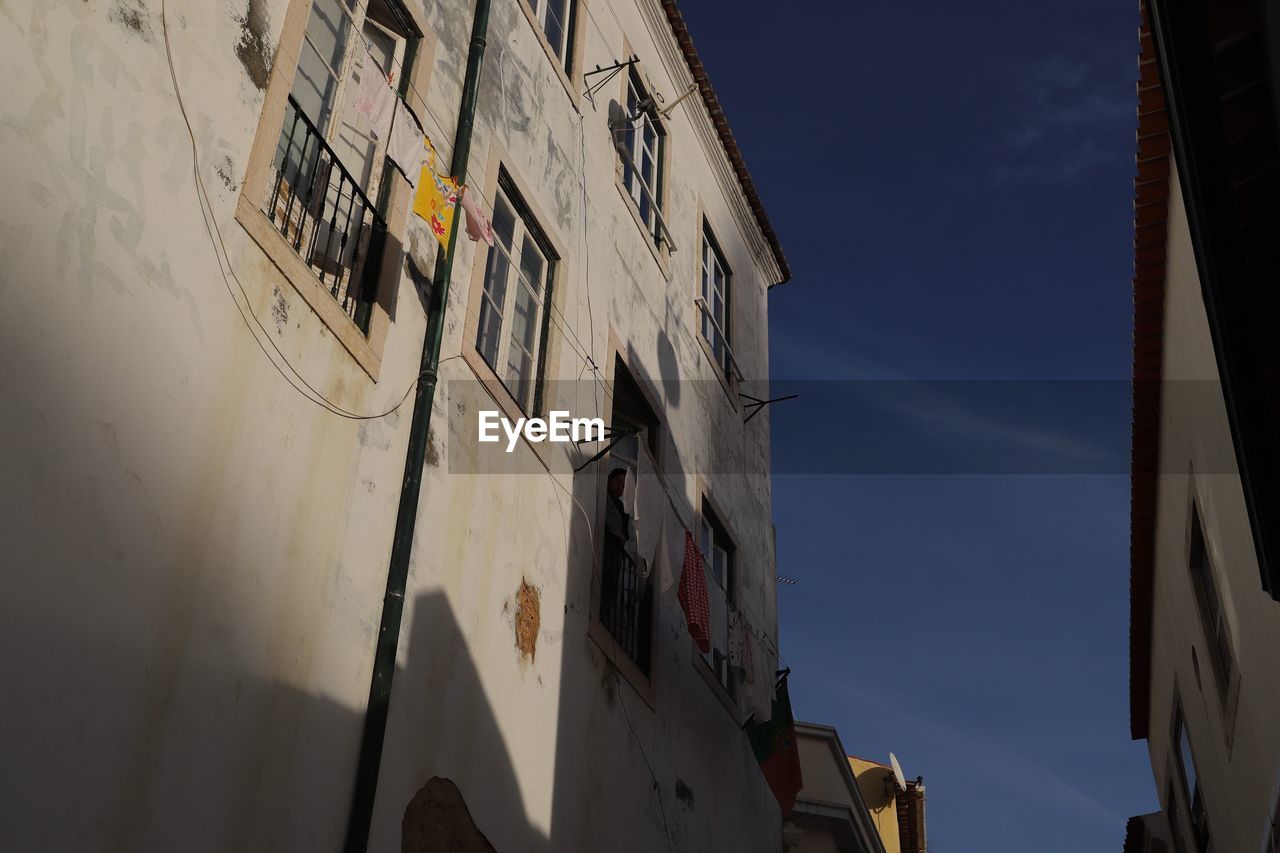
715	301
626	596
328	166
1271	838
718	552
555	20
512	335
642	143
1212	609
1172	814
1189	781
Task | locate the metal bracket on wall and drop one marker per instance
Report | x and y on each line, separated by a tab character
614	437
610	71
755	405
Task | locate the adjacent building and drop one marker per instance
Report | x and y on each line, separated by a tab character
1205	623
831	814
216	302
897	810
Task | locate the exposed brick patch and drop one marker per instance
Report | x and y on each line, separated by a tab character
528	619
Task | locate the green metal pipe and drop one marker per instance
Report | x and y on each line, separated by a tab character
384	661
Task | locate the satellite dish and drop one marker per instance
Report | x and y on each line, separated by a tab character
897	772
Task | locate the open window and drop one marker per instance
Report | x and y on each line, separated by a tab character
626	592
328	167
318	195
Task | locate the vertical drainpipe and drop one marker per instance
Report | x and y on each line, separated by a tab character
384	660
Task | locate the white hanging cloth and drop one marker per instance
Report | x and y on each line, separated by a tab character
375	100
405	145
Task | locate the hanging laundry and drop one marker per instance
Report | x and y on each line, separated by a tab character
375	100
693	595
650	511
775	747
738	650
756	673
435	200
405	143
478	225
629	492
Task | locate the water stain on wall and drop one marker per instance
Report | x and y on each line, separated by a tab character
134	16
254	48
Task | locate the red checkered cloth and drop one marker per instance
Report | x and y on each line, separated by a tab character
693	595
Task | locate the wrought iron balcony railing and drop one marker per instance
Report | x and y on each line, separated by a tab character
325	215
626	602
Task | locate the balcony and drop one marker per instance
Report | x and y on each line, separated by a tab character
325	216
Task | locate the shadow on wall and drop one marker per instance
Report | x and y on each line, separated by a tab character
116	744
442	727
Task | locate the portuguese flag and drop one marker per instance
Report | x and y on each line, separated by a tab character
774	744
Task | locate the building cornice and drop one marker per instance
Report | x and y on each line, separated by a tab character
682	62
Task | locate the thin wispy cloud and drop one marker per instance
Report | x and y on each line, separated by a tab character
1068	110
983	757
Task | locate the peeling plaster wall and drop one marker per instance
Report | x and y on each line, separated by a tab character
196	556
1238	774
564	719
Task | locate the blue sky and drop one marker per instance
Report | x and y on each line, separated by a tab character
952	184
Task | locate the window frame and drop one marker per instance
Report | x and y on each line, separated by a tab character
727	369
394	196
567	63
620	365
714	531
1189	787
635	147
497	163
1215	618
1271	833
658	236
527	232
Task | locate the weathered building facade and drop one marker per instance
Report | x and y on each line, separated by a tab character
209	366
1205	624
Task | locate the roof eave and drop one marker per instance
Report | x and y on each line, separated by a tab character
681	32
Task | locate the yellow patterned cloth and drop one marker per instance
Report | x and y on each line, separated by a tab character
436	199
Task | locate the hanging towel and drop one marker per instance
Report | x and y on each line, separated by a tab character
375	100
758	669
693	595
670	549
478	225
629	491
405	143
650	510
435	201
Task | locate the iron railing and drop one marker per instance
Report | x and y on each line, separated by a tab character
626	602
325	215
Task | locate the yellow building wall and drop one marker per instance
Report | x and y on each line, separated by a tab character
875	782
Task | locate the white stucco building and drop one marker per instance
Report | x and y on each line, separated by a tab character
1205	622
200	487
